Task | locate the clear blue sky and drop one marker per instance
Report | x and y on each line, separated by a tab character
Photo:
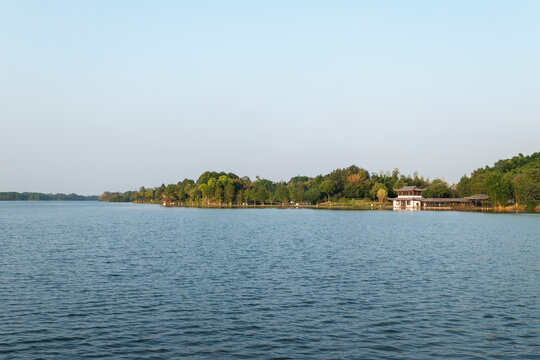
112	95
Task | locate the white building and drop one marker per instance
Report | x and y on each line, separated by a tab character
408	198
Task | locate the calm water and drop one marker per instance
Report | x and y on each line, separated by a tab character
138	281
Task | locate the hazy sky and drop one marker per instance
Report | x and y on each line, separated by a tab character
112	95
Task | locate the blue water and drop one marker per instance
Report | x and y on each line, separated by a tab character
125	281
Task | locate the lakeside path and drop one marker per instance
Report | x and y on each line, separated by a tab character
337	206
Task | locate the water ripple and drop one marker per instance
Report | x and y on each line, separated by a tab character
123	281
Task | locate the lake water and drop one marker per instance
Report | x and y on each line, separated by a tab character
125	281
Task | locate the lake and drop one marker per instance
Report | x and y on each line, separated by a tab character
126	281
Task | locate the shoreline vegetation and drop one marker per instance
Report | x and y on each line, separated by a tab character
35	196
513	185
341	206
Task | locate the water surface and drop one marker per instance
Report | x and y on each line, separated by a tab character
125	281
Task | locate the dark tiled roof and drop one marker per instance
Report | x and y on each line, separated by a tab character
409	188
478	197
445	200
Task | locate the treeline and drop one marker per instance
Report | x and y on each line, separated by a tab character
13	196
514	180
219	188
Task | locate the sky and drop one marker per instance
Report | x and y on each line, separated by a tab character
112	95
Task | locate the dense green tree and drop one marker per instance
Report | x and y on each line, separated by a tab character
218	194
463	187
498	188
240	197
142	194
438	189
353	191
313	195
282	195
181	194
398	184
170	192
328	188
207	175
229	192
205	191
262	190
526	191
299	179
191	189
375	190
149	194
250	196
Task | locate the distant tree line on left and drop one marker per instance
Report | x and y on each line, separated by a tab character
117	196
34	196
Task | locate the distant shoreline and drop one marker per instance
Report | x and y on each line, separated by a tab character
50	200
511	185
37	196
385	207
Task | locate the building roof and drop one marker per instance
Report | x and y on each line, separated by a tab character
445	200
409	188
406	198
478	197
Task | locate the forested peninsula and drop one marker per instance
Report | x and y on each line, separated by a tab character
511	184
35	196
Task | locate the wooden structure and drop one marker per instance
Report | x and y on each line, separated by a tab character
410	198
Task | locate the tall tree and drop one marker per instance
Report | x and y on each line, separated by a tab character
282	195
525	190
375	190
328	187
229	192
381	195
498	188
